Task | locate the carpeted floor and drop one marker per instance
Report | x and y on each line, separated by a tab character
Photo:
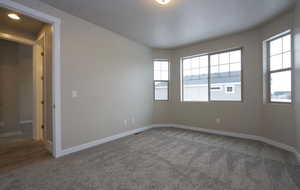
164	159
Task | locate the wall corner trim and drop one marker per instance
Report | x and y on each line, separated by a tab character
211	131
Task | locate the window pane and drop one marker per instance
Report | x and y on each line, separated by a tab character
161	91
156	65
195	62
231	88
214	60
228	80
196	72
276	62
204	71
164	75
204	61
276	46
235	67
161	70
287	43
224	68
187	64
287	60
195	79
164	66
224	58
281	86
195	90
214	69
156	75
235	56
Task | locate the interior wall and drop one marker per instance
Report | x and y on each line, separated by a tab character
252	116
8	75
111	76
16	85
240	117
278	119
297	70
161	111
25	83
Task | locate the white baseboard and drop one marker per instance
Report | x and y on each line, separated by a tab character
211	131
100	141
25	122
238	135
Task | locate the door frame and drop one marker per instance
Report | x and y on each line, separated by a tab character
37	111
56	65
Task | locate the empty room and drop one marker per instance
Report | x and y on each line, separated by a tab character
150	95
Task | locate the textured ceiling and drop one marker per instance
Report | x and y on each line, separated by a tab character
179	23
26	25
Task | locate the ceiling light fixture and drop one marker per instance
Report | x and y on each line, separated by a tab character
163	2
13	16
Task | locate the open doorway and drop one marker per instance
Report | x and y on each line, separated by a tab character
26	90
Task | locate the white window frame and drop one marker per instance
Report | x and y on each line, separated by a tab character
269	72
167	81
209	76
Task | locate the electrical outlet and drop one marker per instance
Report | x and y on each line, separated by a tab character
218	120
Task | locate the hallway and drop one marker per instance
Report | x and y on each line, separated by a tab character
20	150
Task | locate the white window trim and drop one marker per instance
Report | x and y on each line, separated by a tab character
168	81
269	72
209	84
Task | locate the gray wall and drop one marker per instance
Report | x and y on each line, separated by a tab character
297	70
278	119
112	75
15	84
252	116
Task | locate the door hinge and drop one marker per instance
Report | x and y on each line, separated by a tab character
42	77
42	126
42	54
42	102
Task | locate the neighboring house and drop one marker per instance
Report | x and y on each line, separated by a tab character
225	85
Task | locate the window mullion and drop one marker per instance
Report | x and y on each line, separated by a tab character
208	79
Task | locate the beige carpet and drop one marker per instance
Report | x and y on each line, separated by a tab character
164	159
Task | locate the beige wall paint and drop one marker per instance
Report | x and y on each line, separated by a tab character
251	116
297	70
113	77
161	109
242	117
278	119
16	84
